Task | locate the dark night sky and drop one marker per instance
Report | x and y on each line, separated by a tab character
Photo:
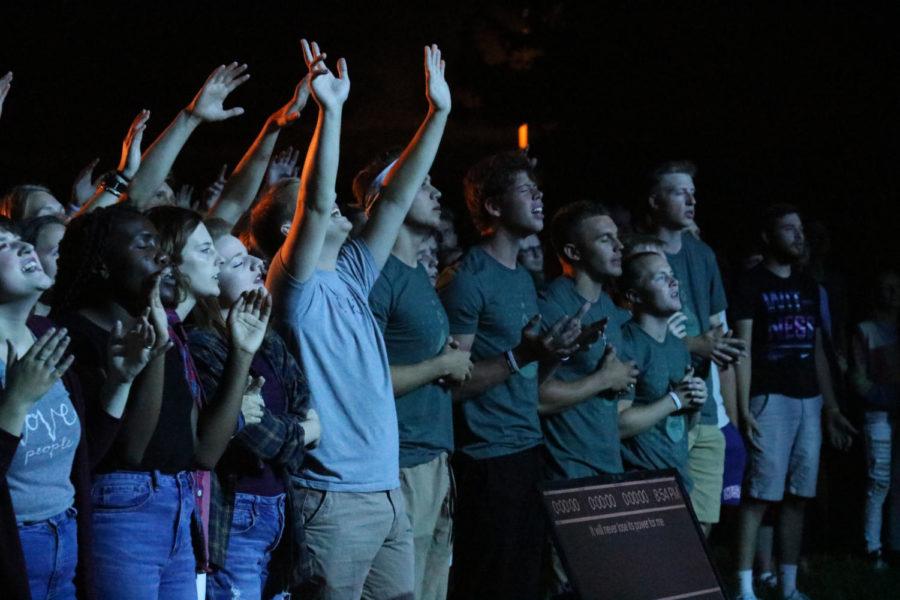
790	105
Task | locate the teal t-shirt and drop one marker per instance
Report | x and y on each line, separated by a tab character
662	366
415	329
484	298
583	440
702	295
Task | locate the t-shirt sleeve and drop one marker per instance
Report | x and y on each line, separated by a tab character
380	302
290	296
356	262
717	300
463	300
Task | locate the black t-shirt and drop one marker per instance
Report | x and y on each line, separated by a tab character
785	314
171	448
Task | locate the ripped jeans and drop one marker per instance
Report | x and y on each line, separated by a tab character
882	479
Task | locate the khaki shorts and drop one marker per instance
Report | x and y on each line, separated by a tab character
706	464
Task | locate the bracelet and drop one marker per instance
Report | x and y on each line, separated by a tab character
115	183
511	362
676	400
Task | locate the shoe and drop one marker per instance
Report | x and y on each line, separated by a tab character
876	560
768	581
797	595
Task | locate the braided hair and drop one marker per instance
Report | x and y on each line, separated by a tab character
80	279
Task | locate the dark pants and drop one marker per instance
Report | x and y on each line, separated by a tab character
500	527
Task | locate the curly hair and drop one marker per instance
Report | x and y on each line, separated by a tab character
489	178
82	258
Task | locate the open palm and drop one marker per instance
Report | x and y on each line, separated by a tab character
208	104
436	89
248	319
328	91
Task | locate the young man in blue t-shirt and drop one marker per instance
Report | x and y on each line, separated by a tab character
357	531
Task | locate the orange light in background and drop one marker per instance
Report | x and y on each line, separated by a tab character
523	136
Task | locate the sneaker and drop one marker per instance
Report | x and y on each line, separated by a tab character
767	581
876	560
797	595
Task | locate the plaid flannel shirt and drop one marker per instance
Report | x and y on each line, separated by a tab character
276	439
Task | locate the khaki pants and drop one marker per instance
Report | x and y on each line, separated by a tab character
427	492
706	464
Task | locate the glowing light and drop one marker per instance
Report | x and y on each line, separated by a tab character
523	136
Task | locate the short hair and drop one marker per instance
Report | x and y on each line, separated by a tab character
364	178
567	219
275	208
631	269
14	202
632	241
669	167
774	213
488	178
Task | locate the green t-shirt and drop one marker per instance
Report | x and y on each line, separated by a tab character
484	298
414	324
702	296
662	366
583	440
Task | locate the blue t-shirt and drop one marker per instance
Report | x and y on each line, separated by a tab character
39	475
484	298
415	329
583	440
662	366
328	326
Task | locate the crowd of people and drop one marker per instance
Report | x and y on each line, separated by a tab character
262	391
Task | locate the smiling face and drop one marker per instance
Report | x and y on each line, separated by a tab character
425	211
674	201
239	273
21	274
199	264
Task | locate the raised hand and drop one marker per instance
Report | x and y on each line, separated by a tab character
130	351
5	84
328	91
156	314
436	89
282	166
252	404
83	187
30	376
184	197
130	160
290	112
214	191
208	104
619	376
247	320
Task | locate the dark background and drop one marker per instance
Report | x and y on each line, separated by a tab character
773	104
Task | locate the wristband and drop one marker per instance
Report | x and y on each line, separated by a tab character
511	362
115	183
676	400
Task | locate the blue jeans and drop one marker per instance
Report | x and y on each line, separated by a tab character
51	552
883	479
142	536
255	531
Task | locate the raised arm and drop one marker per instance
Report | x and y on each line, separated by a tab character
316	199
406	177
5	84
206	106
241	188
112	185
